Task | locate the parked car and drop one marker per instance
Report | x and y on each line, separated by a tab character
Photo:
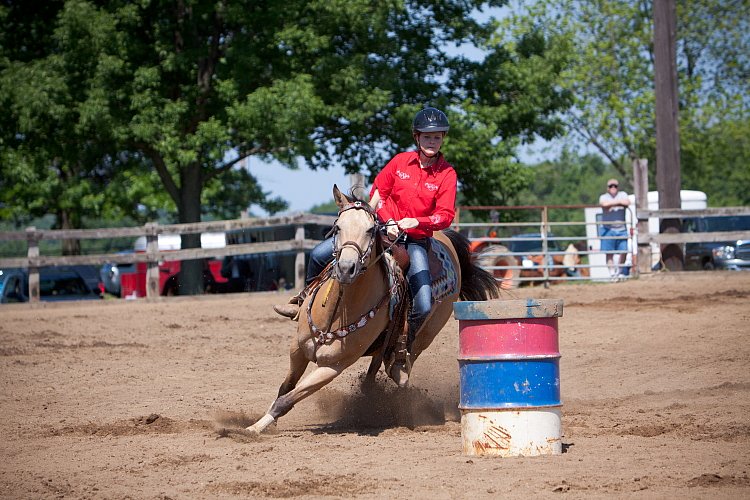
109	275
55	284
732	255
13	286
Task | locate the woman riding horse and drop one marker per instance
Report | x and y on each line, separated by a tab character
416	194
355	307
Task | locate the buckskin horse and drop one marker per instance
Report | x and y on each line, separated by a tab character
357	306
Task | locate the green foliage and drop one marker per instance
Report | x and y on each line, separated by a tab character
325	208
718	157
612	82
569	180
132	110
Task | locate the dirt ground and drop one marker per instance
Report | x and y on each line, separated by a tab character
129	399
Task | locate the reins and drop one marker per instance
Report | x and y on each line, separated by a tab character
323	335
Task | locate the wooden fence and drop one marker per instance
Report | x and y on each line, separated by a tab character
152	256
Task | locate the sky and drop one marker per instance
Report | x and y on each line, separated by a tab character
302	189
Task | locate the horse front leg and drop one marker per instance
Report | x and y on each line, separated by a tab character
297	365
311	383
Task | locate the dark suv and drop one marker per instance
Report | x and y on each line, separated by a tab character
55	284
734	255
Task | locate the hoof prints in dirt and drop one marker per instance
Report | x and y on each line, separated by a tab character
150	424
345	486
705	480
682	303
671	413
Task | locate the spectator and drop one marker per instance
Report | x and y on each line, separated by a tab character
613	231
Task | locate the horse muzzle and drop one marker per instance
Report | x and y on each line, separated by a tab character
346	271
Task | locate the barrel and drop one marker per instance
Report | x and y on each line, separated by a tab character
509	371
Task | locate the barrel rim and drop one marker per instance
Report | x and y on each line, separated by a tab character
508	309
510	406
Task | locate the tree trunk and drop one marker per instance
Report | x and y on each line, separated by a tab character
191	271
68	220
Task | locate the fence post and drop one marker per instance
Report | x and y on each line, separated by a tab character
32	242
545	245
152	251
640	185
299	261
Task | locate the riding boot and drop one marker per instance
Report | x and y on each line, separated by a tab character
414	326
292	308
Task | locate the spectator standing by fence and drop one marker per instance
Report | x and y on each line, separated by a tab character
613	230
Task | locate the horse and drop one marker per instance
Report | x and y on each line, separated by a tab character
351	310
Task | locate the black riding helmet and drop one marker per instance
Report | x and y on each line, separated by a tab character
430	120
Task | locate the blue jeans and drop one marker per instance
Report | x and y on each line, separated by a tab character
420	283
320	257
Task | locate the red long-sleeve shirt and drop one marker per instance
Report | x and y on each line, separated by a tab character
426	194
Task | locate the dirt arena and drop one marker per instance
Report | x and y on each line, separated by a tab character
138	400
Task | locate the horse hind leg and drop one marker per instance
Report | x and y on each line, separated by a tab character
309	384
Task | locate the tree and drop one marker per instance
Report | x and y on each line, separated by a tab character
49	141
191	89
611	75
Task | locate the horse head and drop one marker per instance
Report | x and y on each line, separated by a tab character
354	233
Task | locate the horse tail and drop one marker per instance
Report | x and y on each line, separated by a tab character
476	283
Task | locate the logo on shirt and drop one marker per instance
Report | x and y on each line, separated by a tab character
435	218
430	186
380	204
402	175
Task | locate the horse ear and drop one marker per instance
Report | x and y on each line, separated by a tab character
339	197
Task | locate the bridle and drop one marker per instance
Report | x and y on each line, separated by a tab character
363	255
395	289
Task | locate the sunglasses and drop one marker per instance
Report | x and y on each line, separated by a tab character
612	185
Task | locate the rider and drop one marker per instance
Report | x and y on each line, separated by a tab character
416	194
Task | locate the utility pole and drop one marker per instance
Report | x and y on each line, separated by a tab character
668	176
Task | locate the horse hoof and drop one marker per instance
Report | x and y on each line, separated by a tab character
400	374
260	425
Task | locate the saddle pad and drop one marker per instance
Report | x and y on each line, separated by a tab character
442	271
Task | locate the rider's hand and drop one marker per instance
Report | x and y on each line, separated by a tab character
391	229
408	223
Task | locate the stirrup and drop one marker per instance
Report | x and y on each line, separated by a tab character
298	299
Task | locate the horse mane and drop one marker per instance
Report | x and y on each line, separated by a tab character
476	283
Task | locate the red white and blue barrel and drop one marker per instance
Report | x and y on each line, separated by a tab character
509	367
